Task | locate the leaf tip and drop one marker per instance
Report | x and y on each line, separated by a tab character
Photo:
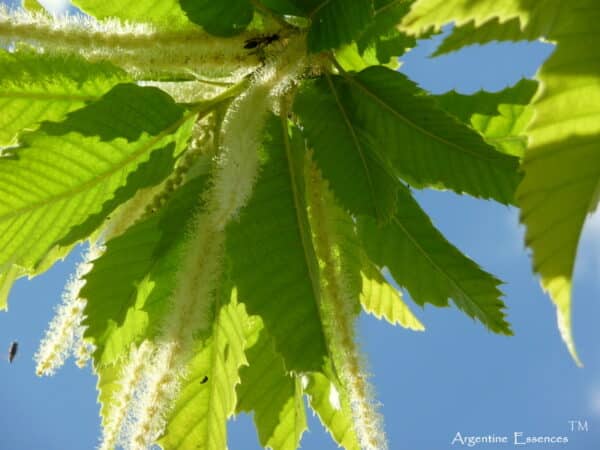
563	317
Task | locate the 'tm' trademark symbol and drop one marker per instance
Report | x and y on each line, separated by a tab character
579	426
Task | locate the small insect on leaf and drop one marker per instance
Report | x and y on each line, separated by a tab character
260	41
12	351
204	380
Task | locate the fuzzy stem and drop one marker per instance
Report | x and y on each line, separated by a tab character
138	48
337	311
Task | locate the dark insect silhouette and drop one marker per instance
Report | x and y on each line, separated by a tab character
204	380
260	42
12	351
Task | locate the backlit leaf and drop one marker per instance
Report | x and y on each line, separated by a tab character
164	13
344	150
335	22
562	163
222	18
501	117
420	259
327	400
198	419
129	286
65	171
272	237
35	88
273	395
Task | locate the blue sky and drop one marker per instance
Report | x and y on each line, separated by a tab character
455	377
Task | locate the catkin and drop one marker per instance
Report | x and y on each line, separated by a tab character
121	400
234	175
235	171
336	306
65	332
138	48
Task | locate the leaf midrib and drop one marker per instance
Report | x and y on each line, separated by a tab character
491	157
314	278
98	179
439	268
357	145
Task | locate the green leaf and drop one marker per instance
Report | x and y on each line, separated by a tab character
111	290
562	163
506	131
167	14
272	262
132	111
380	42
198	420
379	298
382	34
351	59
486	103
284	7
388	121
65	171
335	22
33	6
364	283
273	395
149	173
108	384
37	87
427	146
221	18
432	270
129	286
7	278
561	166
344	150
501	117
328	401
477	23
492	30
537	16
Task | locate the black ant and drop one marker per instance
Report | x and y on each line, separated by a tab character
261	42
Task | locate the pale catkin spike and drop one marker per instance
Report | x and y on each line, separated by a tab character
233	178
190	312
121	401
237	164
336	311
161	389
84	350
134	47
64	332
